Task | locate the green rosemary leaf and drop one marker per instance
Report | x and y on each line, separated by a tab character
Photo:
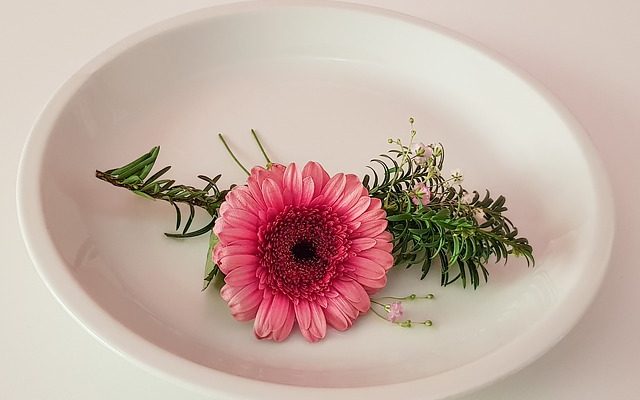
178	215
365	181
195	233
142	194
139	166
192	214
400	217
131	180
157	174
133	163
145	171
462	273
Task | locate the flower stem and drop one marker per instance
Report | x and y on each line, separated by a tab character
428	296
378	314
264	153
232	155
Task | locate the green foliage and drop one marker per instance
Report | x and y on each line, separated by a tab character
458	228
133	177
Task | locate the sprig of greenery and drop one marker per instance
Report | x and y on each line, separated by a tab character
455	226
133	177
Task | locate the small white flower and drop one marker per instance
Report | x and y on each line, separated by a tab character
457	176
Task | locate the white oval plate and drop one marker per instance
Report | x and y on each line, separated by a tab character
329	83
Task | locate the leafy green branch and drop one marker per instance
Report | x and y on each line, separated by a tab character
133	177
432	217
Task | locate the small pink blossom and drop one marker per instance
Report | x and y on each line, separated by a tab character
396	310
421	153
421	194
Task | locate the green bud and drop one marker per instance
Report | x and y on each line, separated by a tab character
406	324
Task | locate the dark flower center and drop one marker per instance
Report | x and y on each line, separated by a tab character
303	251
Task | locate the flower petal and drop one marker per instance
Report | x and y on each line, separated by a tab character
318	174
384	241
376	204
283	333
340	313
318	327
380	257
241	218
260	325
259	174
371	228
244	300
241	276
372	285
361	244
356	211
277	172
248	298
372	215
346	307
255	188
308	187
228	234
292	183
333	189
239	260
350	195
336	318
277	316
272	193
237	247
303	314
354	293
367	268
241	197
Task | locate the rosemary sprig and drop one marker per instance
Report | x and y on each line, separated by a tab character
133	177
455	226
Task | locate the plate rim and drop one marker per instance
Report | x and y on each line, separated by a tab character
111	333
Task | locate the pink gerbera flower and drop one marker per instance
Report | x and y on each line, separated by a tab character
300	247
